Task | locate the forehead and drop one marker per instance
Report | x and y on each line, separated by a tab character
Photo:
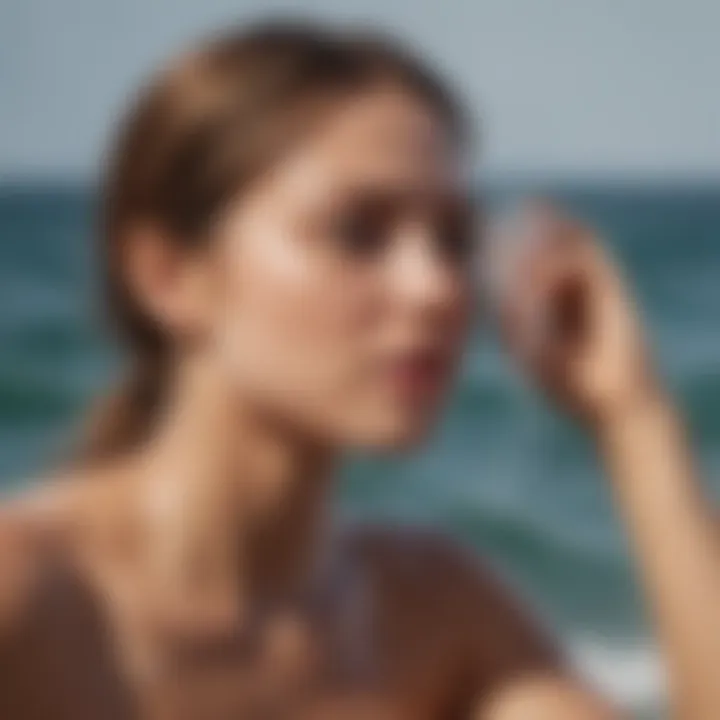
383	137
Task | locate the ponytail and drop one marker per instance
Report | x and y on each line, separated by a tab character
124	419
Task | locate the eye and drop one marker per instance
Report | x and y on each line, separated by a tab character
361	230
457	233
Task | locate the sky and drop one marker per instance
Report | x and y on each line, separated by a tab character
562	87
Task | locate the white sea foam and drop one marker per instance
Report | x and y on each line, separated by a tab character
630	673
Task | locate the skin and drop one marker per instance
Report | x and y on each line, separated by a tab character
202	576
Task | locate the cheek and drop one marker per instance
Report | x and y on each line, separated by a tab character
292	324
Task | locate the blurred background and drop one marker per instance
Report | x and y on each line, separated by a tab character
610	106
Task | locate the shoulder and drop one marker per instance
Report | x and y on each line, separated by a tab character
28	546
412	555
445	582
36	530
446	568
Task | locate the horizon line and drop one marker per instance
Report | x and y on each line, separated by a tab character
491	178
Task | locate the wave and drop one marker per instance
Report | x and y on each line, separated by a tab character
630	673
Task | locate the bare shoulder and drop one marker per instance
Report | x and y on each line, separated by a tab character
30	534
52	619
36	532
445	582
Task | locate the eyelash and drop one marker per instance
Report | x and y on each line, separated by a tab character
359	234
457	241
364	234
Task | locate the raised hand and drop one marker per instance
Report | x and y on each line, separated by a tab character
566	314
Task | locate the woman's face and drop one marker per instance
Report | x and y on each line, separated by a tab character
343	292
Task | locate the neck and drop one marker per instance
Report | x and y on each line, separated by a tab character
236	506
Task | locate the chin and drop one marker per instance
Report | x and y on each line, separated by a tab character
395	434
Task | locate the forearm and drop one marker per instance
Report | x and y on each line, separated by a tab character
674	537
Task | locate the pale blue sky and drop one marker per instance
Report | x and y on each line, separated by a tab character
590	87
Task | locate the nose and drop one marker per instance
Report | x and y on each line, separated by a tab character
423	280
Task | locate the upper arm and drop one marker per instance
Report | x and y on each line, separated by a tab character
24	565
483	641
519	670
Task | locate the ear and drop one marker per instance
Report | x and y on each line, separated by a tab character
169	281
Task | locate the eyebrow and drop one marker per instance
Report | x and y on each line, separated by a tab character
389	191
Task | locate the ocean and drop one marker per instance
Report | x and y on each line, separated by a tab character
503	472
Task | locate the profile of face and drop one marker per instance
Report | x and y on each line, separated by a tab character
338	288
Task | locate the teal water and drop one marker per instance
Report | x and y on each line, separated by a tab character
503	471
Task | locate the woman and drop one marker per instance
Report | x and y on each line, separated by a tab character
289	258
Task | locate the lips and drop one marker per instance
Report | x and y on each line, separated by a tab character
419	373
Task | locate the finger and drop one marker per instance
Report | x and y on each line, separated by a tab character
550	281
512	244
542	269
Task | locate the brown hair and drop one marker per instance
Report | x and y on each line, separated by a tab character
195	137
